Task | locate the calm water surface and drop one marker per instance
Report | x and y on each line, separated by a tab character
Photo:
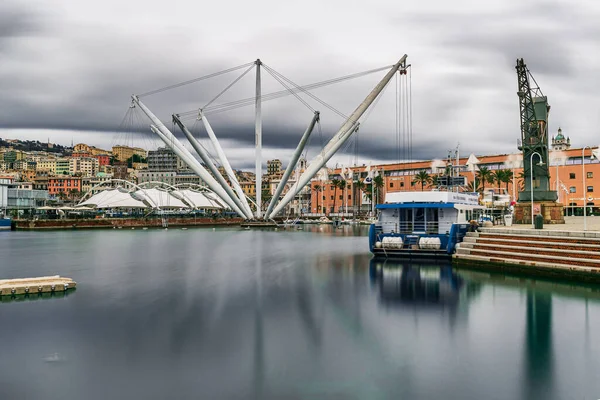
238	314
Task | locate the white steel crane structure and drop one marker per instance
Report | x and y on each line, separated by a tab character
231	193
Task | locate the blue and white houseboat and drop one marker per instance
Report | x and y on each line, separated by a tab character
422	224
4	223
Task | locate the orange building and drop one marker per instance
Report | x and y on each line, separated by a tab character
564	164
103	159
65	184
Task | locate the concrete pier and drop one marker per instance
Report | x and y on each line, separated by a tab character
553	251
44	284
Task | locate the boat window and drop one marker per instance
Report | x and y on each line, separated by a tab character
419	220
406	220
431	220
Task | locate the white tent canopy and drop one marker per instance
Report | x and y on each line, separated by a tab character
152	198
197	199
113	198
160	198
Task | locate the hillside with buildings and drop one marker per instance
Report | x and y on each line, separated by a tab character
38	174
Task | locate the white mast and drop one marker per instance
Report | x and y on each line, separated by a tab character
225	164
211	166
258	140
198	169
345	131
171	141
292	164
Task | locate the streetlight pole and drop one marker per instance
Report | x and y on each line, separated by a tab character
531	180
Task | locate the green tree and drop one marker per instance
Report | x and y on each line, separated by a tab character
423	178
379	183
335	183
135	159
506	177
484	175
358	186
318	189
342	184
471	188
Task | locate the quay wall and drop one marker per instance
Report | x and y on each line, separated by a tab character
21	224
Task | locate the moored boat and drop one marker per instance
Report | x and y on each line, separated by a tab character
5	223
422	224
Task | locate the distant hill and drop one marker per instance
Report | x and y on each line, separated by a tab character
34	145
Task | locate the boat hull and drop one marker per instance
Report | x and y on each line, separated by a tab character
5	224
411	250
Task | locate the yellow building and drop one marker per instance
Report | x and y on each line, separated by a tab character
123	153
46	164
91	150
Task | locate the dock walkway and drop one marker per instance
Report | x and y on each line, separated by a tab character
44	284
553	251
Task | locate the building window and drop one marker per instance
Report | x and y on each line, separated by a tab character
331	197
401	184
572	189
341	197
590	175
590	189
571	175
391	184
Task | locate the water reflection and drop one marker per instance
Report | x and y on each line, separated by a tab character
538	345
416	283
275	315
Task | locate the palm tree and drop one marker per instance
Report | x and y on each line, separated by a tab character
318	188
342	185
484	175
359	186
507	177
497	177
335	183
379	183
422	177
471	187
521	180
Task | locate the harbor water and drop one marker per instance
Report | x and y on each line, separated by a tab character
290	314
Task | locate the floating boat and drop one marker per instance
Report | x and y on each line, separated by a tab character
5	223
422	224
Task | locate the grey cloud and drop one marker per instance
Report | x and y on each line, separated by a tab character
464	81
16	21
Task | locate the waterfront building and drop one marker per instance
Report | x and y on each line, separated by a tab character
20	195
27	175
84	166
249	188
560	143
90	150
103	159
121	171
565	174
123	153
62	166
273	166
64	184
46	164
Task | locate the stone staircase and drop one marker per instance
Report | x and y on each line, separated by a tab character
536	251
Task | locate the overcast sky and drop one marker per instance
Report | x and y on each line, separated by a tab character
68	68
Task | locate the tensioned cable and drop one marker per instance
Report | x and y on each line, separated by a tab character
275	74
281	93
410	130
313	96
229	86
195	80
